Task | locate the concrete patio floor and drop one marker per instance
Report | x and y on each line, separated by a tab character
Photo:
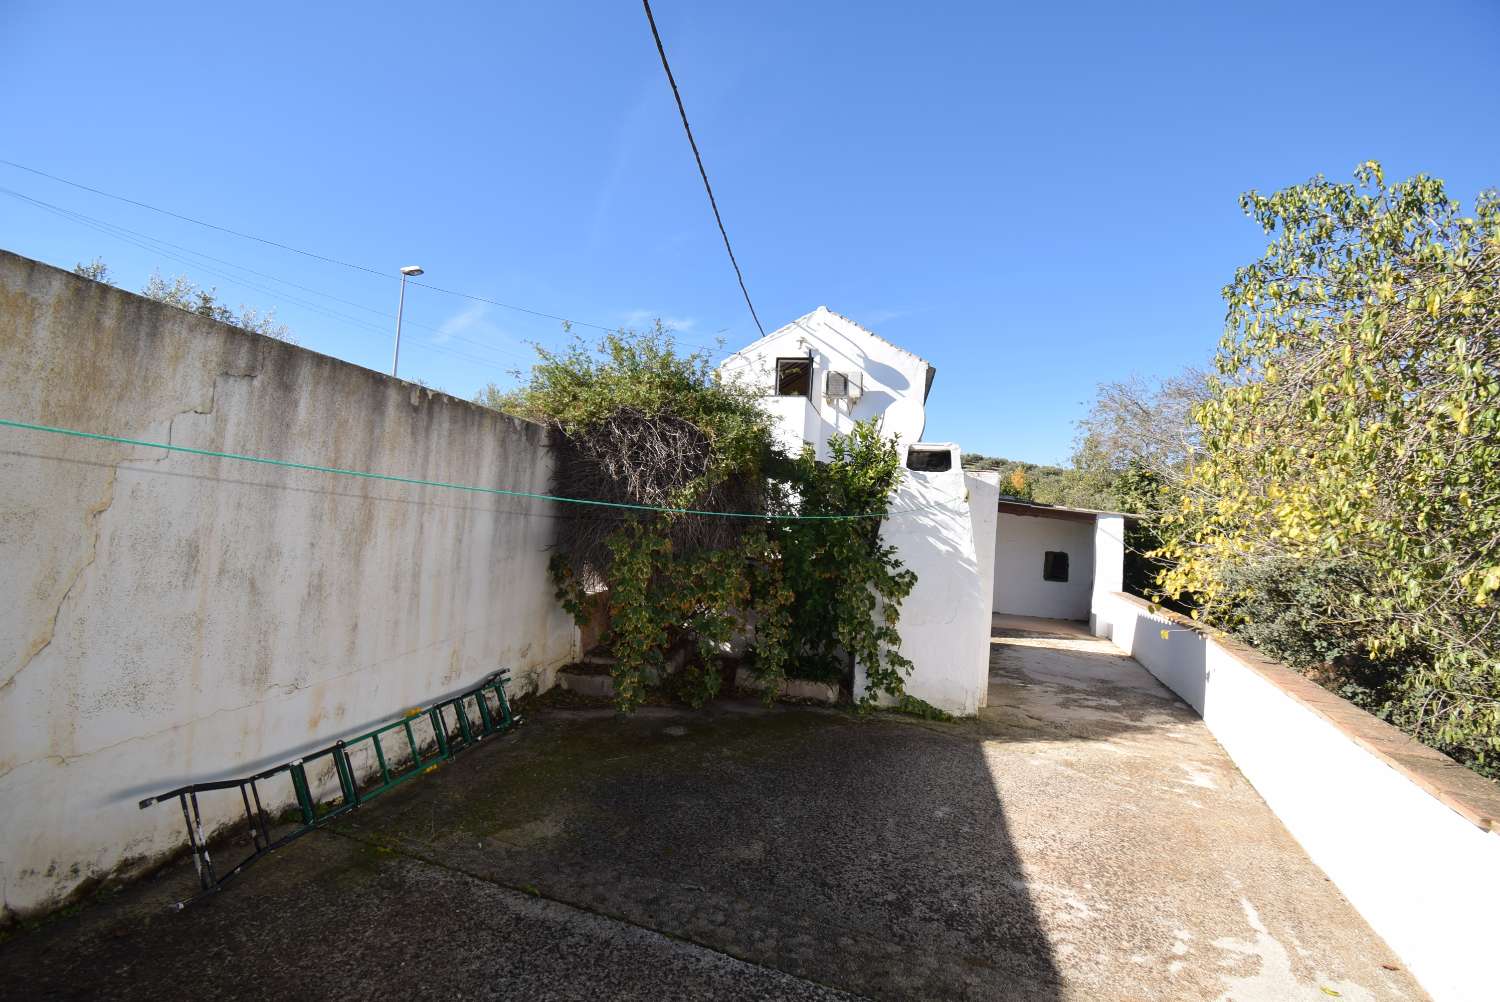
1084	839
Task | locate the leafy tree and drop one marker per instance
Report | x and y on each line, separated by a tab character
1354	423
96	270
1042	483
186	294
1145	424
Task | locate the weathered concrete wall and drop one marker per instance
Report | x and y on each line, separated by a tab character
1020	589
169	618
1411	838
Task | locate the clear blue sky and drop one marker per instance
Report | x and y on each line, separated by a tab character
1036	197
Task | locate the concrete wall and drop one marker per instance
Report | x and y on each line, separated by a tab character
945	621
168	618
1405	833
895	380
1020	590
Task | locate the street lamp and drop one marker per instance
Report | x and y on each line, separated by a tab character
410	271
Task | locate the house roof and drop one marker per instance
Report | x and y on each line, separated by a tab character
806	317
1016	506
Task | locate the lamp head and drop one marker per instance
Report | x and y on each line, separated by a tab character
411	271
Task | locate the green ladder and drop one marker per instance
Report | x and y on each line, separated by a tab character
458	724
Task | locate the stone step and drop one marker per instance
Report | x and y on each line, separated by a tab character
792	688
597	685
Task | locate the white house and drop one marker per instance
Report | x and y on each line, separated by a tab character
823	372
819	375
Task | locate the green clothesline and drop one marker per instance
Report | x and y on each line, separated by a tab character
266	461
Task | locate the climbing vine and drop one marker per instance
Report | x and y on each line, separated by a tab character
846	585
637	423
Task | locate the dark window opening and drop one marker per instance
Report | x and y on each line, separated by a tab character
1054	566
794	377
929	460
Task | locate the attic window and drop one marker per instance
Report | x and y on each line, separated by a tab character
794	377
1054	566
929	460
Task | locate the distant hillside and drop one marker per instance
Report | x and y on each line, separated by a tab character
1045	484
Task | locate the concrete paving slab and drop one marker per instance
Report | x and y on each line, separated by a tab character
1084	839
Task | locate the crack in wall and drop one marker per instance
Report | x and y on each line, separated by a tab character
92	516
202	410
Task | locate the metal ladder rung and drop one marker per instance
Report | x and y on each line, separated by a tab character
446	747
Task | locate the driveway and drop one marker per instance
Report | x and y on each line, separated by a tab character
1086	838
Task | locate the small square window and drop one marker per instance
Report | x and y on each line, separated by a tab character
794	377
922	460
1054	566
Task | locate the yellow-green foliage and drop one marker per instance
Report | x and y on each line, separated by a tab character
1355	420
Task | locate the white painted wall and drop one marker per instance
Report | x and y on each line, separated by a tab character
895	380
984	495
945	621
1425	877
1109	562
1020	590
795	422
166	618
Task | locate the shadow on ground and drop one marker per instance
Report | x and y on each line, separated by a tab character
1054	848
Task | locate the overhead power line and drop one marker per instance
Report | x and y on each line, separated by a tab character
324	257
190	219
676	94
156	246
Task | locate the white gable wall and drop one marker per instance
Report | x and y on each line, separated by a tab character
895	380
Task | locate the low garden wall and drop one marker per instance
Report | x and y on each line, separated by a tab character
1409	836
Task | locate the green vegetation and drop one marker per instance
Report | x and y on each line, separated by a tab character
637	423
1075	486
186	294
1350	449
1331	492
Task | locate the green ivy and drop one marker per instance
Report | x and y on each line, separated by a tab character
847	586
813	597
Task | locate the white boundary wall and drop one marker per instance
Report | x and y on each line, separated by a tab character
168	618
1405	833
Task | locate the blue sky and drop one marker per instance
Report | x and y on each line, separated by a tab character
1035	197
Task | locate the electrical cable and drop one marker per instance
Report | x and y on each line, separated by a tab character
676	94
85	218
316	256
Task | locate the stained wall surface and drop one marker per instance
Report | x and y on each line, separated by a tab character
168	618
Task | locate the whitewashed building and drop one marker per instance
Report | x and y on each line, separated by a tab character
823	372
819	375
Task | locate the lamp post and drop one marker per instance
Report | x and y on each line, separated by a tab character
410	271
